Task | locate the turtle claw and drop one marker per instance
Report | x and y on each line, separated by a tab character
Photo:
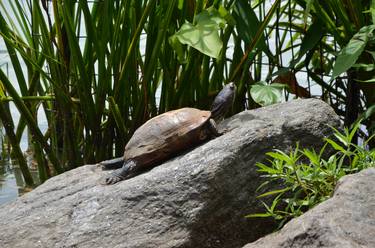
112	179
120	174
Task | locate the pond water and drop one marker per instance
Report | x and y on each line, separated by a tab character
8	182
11	181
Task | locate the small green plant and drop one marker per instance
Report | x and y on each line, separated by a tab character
306	178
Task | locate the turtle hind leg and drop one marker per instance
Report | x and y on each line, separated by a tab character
112	163
123	173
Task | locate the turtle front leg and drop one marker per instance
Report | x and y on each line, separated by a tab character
124	172
212	127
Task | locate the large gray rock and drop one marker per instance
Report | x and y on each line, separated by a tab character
347	220
198	199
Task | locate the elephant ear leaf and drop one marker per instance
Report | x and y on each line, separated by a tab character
265	94
204	34
350	53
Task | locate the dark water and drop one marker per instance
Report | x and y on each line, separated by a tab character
11	181
8	185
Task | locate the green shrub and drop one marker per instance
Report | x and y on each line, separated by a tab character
307	178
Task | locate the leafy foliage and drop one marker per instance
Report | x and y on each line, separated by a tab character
307	178
204	35
266	94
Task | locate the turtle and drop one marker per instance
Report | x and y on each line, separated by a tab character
168	134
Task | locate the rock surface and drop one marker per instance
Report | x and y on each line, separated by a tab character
347	220
198	199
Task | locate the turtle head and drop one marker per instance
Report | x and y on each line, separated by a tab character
223	102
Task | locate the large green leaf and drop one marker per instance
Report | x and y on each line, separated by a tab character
265	94
350	53
204	34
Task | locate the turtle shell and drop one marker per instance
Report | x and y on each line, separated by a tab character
167	134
